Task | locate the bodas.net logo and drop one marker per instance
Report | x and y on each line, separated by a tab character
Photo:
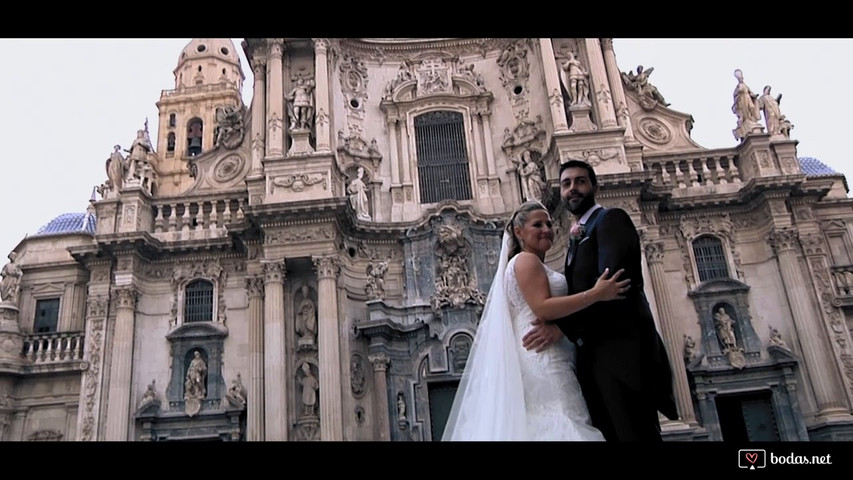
751	458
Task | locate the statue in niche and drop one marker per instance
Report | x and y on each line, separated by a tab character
357	191
310	386
639	82
236	395
776	123
10	285
306	320
576	80
375	285
196	373
401	407
300	103
357	378
532	185
116	166
745	106
725	330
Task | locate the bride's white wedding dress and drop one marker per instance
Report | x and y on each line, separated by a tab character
554	405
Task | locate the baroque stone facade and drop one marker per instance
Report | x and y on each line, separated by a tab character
312	266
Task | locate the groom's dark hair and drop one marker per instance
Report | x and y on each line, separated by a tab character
580	164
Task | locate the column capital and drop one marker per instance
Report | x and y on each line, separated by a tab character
783	239
654	252
276	46
379	361
321	45
126	297
255	286
259	68
275	270
607	43
96	306
327	266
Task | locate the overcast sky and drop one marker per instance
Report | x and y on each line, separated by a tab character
69	101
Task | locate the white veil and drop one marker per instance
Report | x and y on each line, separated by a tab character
489	403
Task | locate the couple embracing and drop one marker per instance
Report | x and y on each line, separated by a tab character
566	356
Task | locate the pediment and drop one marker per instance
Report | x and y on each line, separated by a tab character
660	128
719	285
198	330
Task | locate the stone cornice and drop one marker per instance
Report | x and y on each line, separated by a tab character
391	48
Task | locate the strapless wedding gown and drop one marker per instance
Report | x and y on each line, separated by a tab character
555	407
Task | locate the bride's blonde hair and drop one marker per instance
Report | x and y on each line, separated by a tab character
518	219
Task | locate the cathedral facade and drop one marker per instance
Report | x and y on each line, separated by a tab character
312	266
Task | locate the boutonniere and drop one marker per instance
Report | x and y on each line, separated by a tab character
577	231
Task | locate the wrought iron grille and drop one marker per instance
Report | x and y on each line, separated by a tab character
198	301
442	158
710	259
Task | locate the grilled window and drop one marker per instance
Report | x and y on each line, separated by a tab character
198	301
710	259
442	158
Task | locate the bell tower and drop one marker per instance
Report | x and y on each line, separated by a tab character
208	75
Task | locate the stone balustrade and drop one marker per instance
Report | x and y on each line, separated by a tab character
53	347
196	219
714	167
842	277
196	89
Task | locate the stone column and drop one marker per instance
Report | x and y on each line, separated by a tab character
380	389
259	100
490	149
668	322
599	85
811	332
404	152
616	88
255	392
321	94
552	86
121	362
275	100
331	410
392	156
275	366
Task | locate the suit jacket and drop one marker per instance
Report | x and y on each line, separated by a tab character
619	335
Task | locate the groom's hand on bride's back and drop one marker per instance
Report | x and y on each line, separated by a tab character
541	336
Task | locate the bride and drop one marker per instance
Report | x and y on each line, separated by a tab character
506	391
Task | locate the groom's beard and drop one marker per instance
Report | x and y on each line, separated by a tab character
578	207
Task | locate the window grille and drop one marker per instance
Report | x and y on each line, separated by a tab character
442	157
710	259
198	301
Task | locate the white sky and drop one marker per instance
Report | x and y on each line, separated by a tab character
69	101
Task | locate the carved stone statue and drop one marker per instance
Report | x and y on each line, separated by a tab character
196	373
532	185
300	101
647	92
310	386
776	339
745	106
576	80
725	330
357	191
148	398
401	407
116	166
10	285
776	123
306	320
357	378
375	285
229	124
690	351
236	395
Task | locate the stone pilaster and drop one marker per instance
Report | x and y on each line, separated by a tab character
668	325
275	362
321	94
259	100
818	360
255	392
380	389
331	410
275	100
552	86
121	362
616	89
599	84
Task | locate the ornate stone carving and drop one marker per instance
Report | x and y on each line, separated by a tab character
299	235
228	168
126	297
433	77
380	362
526	136
374	286
358	378
655	131
274	271
96	306
237	396
691	351
194	384
813	244
513	63
725	327
354	79
45	436
595	157
722	226
229	130
327	266
455	285
655	252
460	347
776	339
149	399
306	321
782	239
92	376
255	286
298	182
648	94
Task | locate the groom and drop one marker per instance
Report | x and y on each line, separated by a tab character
622	364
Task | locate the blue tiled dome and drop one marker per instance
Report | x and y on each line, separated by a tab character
69	223
814	167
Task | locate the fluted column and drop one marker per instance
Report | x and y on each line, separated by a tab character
668	320
118	399
73	306
490	149
275	367
404	152
479	154
616	89
818	358
380	389
255	394
275	100
331	410
599	83
259	100
321	95
552	86
392	157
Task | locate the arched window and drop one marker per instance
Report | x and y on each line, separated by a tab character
173	119
198	301
710	258
170	142
195	129
442	157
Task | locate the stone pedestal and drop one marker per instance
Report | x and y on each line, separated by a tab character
11	340
300	145
581	121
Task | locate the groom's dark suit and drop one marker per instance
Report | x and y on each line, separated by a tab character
622	364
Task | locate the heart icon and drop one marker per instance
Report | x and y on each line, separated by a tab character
752	457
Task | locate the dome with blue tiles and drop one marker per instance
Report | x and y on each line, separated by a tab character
814	167
69	223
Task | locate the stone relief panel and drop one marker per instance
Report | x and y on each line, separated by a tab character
455	285
354	80
298	234
299	182
358	375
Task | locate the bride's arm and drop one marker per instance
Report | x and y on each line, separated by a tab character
533	283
